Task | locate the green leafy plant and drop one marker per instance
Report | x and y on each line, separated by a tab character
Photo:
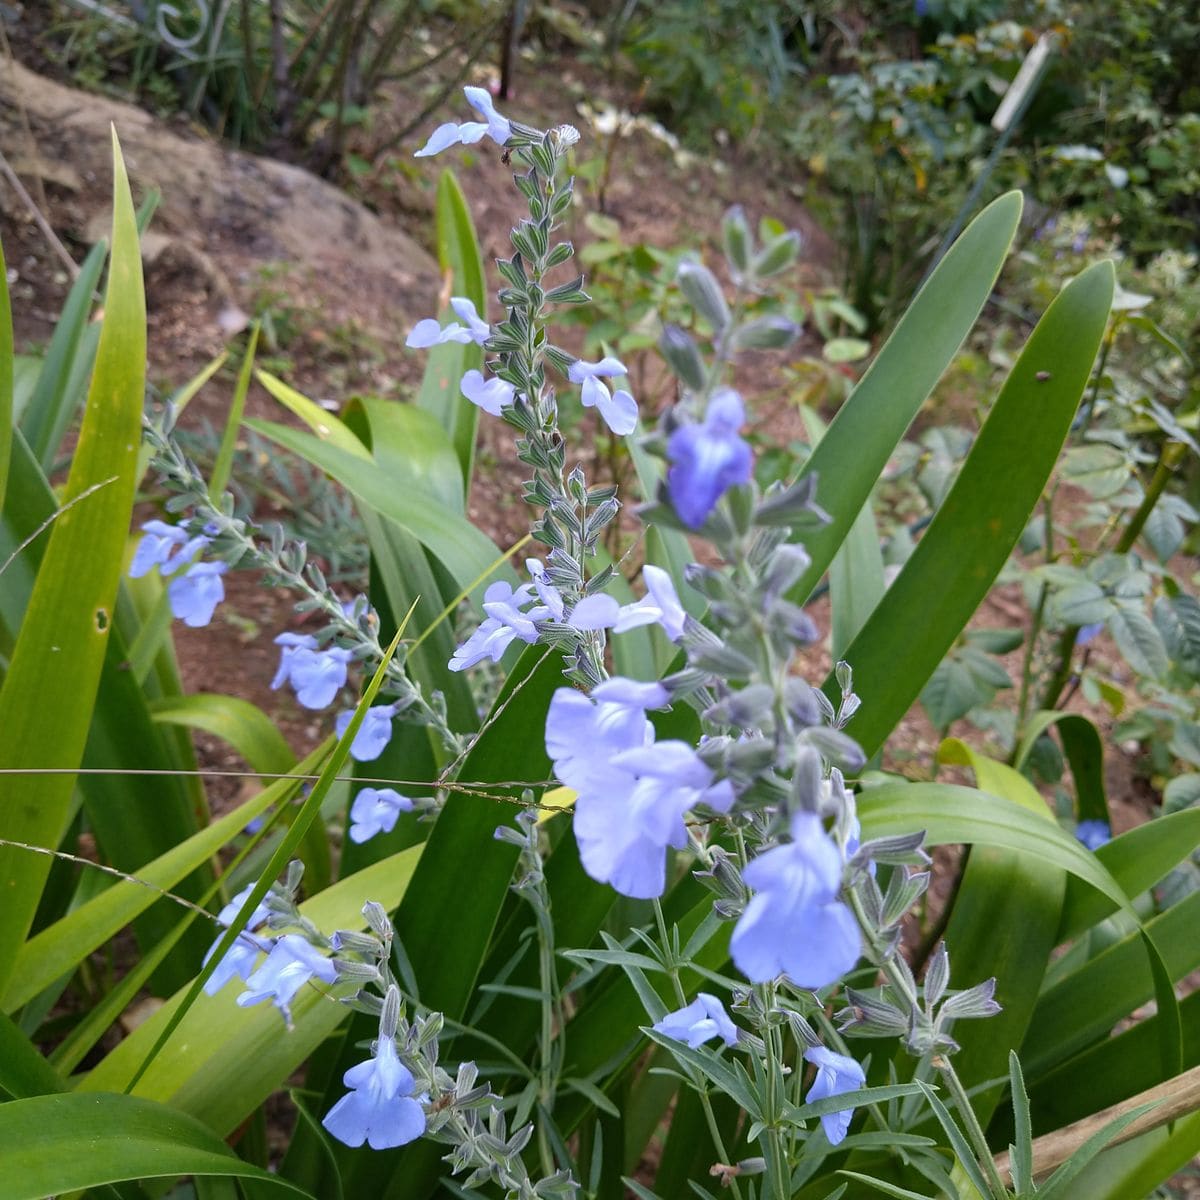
507	954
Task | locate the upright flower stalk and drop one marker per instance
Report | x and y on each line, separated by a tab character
755	793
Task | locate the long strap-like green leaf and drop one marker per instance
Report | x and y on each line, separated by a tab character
978	524
62	1143
46	701
462	263
867	429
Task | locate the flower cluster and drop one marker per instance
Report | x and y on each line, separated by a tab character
796	924
538	611
292	959
194	587
379	1108
633	792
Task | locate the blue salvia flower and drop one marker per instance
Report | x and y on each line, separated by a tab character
492	395
450	134
428	332
292	962
836	1074
583	733
660	606
373	734
194	596
159	541
316	675
504	623
705	1018
708	458
1093	834
241	957
289	644
376	810
230	911
379	1109
618	409
623	832
632	792
795	925
238	963
547	593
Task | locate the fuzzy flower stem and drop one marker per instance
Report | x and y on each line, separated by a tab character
777	1159
191	489
903	985
706	1104
572	517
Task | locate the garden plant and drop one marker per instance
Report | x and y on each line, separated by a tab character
589	890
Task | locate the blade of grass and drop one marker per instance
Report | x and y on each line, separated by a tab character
223	463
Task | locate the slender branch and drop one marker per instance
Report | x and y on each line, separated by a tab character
903	983
1175	1098
710	1117
38	219
1172	455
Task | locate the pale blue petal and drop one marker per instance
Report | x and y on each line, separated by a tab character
595	612
424	334
194	597
471	132
620	411
442	138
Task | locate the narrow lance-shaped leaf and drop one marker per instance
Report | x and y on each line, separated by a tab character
233	422
869	426
46	701
125	1138
978	524
49	410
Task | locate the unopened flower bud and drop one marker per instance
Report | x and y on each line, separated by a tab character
937	977
835	746
978	1001
683	357
376	918
802	704
749	708
871	1015
739	245
352	942
703	293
